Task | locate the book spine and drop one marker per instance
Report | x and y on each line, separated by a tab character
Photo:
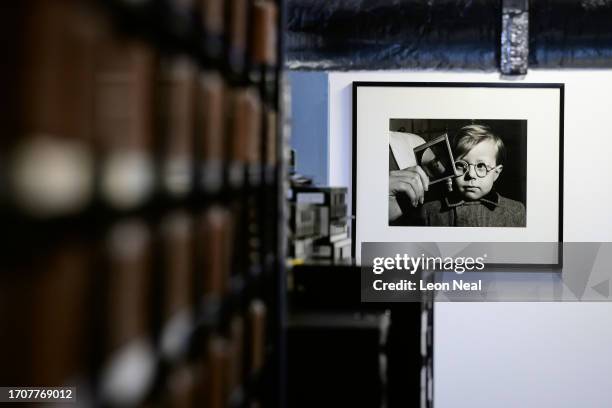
49	163
211	133
128	283
216	238
213	24
236	33
124	123
177	105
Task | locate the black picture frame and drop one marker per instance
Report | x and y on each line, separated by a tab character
356	85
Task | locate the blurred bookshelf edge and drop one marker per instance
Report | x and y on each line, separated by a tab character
141	179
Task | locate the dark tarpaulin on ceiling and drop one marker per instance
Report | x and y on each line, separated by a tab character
442	34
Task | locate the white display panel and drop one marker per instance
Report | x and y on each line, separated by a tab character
376	105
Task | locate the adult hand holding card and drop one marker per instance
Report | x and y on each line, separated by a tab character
412	181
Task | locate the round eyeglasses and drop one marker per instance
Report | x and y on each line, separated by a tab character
481	169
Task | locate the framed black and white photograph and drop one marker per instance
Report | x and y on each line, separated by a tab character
458	162
484	164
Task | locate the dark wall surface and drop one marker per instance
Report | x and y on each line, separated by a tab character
442	34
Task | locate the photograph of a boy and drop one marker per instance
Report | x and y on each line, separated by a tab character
471	198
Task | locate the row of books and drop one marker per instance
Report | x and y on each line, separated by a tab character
237	36
139	185
141	296
95	116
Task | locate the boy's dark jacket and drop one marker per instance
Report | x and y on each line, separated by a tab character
492	210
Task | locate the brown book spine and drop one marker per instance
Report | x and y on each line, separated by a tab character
264	49
213	17
264	46
124	122
181	387
212	131
217	364
254	138
177	105
128	283
44	305
177	294
236	32
257	317
235	156
127	318
245	150
270	143
177	238
236	344
51	165
216	238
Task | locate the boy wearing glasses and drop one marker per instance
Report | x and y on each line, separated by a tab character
479	158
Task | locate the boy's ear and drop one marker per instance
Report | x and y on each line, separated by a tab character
498	170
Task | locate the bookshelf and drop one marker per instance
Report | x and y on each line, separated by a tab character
141	179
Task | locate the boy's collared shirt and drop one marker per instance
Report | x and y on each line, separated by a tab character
492	210
491	200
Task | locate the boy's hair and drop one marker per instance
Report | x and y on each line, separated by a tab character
469	136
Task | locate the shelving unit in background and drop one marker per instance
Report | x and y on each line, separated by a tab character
141	179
